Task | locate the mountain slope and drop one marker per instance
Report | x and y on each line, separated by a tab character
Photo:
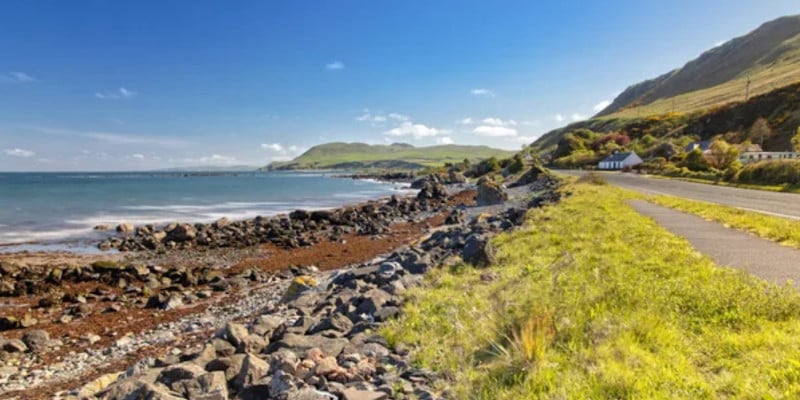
341	155
769	56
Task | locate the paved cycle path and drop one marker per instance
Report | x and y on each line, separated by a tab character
729	247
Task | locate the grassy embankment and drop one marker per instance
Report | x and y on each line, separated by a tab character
592	300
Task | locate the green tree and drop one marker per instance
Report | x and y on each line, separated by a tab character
696	161
722	155
796	140
760	131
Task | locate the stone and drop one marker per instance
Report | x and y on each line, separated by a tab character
173	301
530	176
97	385
388	269
264	325
253	369
37	340
179	372
299	285
181	233
336	322
355	394
13	346
284	360
235	333
302	343
213	386
125	228
478	251
490	193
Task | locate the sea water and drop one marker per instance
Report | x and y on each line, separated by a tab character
41	211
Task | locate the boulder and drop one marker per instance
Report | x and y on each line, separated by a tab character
36	340
490	193
125	228
302	343
298	286
530	176
235	333
181	233
179	372
478	251
253	369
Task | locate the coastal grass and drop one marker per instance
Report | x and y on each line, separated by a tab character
782	230
591	300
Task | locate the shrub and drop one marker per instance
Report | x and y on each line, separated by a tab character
776	172
517	164
619	139
695	161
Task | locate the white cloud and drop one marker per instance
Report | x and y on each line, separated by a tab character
272	146
494	131
116	138
558	118
21	153
17	77
601	106
720	43
379	118
399	117
334	65
214	159
416	131
445	140
498	122
467	121
138	156
531	123
577	117
118	94
482	92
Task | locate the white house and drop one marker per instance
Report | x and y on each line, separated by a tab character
620	161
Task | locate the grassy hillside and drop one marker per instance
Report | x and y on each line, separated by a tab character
769	57
575	310
398	155
781	109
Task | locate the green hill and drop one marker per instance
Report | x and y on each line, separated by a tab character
768	56
341	155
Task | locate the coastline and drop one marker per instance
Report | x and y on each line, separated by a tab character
104	315
103	299
81	233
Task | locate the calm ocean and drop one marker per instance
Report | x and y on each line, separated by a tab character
60	209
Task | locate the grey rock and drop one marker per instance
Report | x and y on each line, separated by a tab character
36	340
180	372
478	251
253	369
301	343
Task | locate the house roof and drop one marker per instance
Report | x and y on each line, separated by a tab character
617	157
703	146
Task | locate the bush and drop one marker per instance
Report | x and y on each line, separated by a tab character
517	164
695	161
776	172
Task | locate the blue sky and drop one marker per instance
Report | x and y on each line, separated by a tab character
127	85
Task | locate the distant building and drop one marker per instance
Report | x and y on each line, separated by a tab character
619	161
704	146
747	157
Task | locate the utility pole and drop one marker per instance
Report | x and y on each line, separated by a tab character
747	90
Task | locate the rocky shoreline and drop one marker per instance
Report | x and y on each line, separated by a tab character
314	336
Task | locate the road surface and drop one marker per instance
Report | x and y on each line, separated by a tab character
786	205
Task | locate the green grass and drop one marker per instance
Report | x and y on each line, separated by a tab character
332	155
782	230
593	301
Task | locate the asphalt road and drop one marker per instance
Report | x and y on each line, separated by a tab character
785	205
762	258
